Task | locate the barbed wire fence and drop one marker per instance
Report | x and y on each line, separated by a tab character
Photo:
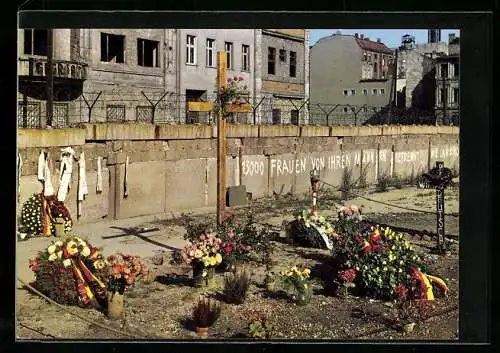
160	107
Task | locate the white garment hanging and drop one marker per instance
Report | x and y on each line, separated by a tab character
82	183
125	181
48	189
65	173
41	166
82	178
98	187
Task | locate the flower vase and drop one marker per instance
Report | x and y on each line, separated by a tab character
198	279
303	297
59	227
202	332
115	305
210	276
270	282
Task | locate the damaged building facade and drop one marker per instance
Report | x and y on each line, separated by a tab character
149	75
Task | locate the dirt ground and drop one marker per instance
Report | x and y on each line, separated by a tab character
160	309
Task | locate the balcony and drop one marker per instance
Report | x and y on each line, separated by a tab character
38	67
68	78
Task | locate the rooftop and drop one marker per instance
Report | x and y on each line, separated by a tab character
364	43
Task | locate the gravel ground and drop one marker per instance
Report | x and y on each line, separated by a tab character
159	309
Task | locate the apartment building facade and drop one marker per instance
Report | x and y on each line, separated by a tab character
351	73
448	88
197	69
284	75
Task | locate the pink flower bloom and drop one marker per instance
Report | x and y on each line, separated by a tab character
240	78
202	237
229	79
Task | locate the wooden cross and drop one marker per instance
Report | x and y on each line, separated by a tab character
221	132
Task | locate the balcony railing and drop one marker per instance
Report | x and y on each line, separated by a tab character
38	67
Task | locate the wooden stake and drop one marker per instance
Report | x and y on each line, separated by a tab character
221	142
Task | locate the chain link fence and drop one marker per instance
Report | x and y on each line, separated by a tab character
159	107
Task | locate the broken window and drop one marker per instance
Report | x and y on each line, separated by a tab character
375	69
382	91
456	70
229	54
294	119
444	70
271	61
293	64
147	53
35	42
282	55
456	95
112	48
276	116
443	96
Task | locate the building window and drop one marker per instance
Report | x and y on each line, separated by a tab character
375	56
276	116
293	64
271	61
345	109
112	48
382	91
282	55
383	60
228	46
444	70
245	50
147	53
210	52
191	50
456	70
375	69
115	113
456	95
442	98
369	58
144	114
383	74
353	109
294	118
374	91
353	92
346	92
35	42
365	92
365	56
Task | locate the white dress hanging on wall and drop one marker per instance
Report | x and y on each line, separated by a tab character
65	173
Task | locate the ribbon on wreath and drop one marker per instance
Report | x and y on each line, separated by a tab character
426	282
88	285
46	217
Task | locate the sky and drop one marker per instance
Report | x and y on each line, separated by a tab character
390	37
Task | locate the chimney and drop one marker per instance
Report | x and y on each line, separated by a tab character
451	37
378	40
361	36
338	33
356	35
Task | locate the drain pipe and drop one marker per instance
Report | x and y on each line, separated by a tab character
178	71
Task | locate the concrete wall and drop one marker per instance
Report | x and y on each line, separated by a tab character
174	167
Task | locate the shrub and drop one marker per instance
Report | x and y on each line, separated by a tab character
346	184
383	183
236	287
206	312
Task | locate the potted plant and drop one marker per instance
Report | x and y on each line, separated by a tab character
203	254
205	313
124	270
299	280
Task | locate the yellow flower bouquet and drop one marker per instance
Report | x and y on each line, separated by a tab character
299	279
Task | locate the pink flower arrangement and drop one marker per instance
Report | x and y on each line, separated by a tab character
348	275
206	245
